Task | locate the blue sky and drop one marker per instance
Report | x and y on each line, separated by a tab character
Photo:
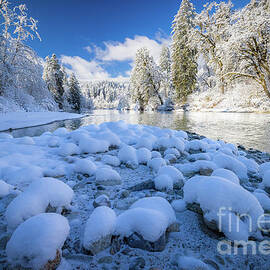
98	38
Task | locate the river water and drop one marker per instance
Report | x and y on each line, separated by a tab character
248	129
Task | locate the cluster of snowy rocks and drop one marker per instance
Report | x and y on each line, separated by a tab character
115	188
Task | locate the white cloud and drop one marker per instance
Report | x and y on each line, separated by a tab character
126	51
84	70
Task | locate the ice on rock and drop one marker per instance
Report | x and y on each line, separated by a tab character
128	155
143	155
173	173
36	198
101	224
196	145
107	177
227	174
5	189
92	146
188	263
263	168
179	205
230	163
68	149
149	223
216	195
163	182
173	151
85	166
111	160
156	163
37	240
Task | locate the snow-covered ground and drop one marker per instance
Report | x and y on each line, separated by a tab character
13	120
129	196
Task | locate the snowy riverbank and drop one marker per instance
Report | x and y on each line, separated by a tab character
130	197
13	120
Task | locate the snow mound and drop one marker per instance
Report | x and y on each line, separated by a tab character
107	177
156	163
263	168
251	164
85	166
143	155
92	146
179	205
111	138
163	182
146	142
266	178
36	198
196	145
170	142
5	189
111	160
68	149
100	224
172	151
264	200
230	163
173	173
155	154
128	155
216	195
227	174
37	240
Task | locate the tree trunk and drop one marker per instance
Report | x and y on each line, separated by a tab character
266	85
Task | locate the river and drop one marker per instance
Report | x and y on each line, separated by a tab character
251	130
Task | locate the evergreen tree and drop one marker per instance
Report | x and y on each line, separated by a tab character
145	79
54	76
165	67
75	93
184	66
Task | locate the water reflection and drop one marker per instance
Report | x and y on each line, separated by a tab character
248	129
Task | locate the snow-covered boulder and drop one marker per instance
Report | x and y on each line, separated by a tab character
156	163
128	155
5	189
163	182
179	205
93	146
85	166
143	155
37	241
155	154
251	164
164	143
263	168
68	149
107	177
146	142
98	230
230	163
266	180
196	145
227	174
61	132
173	151
188	263
223	202
174	174
36	198
111	160
111	138
264	200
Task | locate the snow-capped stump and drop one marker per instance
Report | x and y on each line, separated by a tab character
179	205
111	160
68	149
173	151
102	200
109	137
227	174
92	146
156	163
155	154
36	198
196	146
188	263
107	177
85	166
128	155
219	197
145	224
98	230
163	182
264	200
5	189
174	174
230	163
38	241
143	155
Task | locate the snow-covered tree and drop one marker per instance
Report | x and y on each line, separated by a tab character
250	42
211	32
165	68
54	76
145	79
75	93
20	68
184	65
